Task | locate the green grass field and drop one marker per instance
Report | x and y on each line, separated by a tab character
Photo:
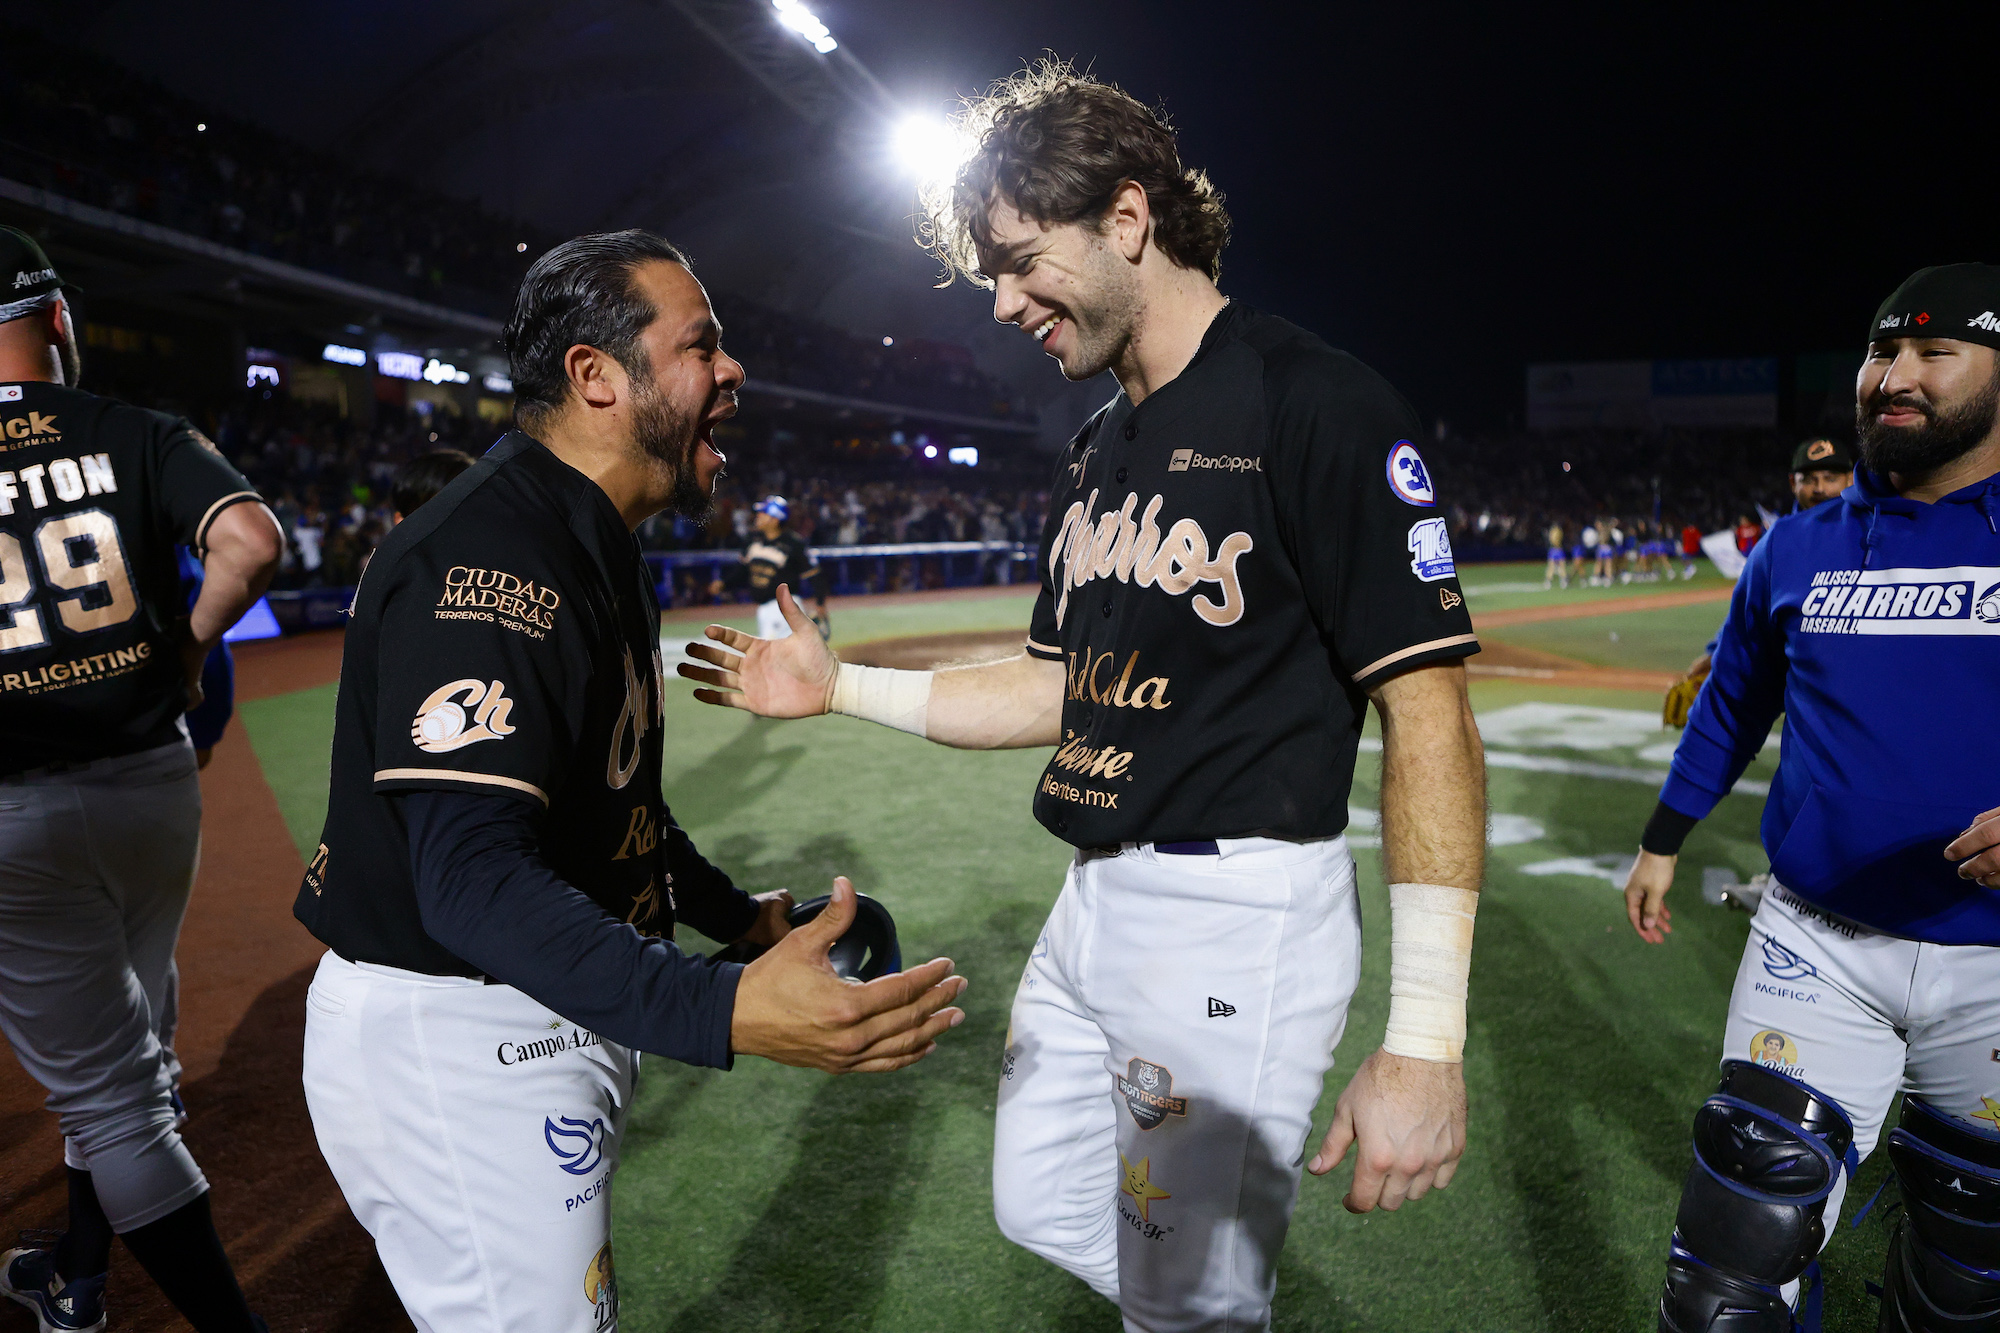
774	1199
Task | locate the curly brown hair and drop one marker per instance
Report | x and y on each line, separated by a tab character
1058	145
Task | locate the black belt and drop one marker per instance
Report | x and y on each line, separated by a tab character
1204	847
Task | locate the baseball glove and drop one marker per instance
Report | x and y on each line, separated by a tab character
1680	698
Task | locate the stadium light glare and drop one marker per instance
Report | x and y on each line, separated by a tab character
201	127
345	356
806	24
930	451
929	148
887	341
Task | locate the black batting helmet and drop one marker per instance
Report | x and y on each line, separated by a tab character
868	950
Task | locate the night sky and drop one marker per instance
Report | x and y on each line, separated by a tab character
1449	192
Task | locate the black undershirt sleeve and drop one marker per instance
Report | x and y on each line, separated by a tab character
486	894
704	897
1666	830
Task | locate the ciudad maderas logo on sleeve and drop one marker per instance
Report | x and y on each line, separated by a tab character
462	713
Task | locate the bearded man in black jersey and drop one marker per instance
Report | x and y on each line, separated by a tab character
1243	550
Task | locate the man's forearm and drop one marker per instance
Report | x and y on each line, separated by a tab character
1433	854
1007	705
1433	780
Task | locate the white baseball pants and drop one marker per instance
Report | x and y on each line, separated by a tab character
771	622
475	1134
1169	1040
1859	1016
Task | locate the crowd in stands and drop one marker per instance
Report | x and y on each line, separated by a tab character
328	479
1502	493
98	134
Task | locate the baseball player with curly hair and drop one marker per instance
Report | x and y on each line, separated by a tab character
100	808
1243	550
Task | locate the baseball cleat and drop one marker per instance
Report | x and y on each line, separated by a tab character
27	1275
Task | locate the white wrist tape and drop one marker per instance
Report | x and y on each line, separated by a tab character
899	699
1430	957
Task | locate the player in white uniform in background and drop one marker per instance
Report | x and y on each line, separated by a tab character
775	555
1242	549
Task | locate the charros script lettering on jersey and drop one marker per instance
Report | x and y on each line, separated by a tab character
508	596
1111	545
1958	599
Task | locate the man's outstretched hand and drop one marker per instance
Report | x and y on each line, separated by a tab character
1406	1119
791	677
792	1007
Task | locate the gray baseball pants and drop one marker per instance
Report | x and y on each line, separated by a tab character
96	864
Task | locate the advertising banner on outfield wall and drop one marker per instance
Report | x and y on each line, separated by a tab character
1646	395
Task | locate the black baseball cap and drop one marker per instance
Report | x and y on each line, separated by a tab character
1822	456
1960	301
27	278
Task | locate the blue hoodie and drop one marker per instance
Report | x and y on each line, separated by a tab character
1873	624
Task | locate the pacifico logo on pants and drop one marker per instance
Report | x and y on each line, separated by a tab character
441	722
1111	545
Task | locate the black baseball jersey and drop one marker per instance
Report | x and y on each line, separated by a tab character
94	495
769	561
1226	569
504	641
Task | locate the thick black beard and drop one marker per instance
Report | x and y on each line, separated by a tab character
670	437
1919	451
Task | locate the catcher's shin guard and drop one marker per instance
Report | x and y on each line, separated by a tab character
1767	1152
1943	1271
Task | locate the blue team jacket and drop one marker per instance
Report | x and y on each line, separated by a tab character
1873	624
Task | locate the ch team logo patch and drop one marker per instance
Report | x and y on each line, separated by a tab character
577	1144
1430	551
1148	1092
462	713
1409	478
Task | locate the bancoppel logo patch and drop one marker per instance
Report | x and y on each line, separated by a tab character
10	393
462	713
1409	478
1187	460
1986	321
1430	551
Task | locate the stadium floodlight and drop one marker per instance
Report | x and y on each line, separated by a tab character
444	372
964	453
930	149
343	356
497	384
806	24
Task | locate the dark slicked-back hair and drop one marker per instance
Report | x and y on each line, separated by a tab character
424	476
1058	145
580	292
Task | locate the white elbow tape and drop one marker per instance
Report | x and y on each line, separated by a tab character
899	699
1430	958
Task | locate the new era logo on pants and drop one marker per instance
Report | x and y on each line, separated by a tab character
1217	1009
